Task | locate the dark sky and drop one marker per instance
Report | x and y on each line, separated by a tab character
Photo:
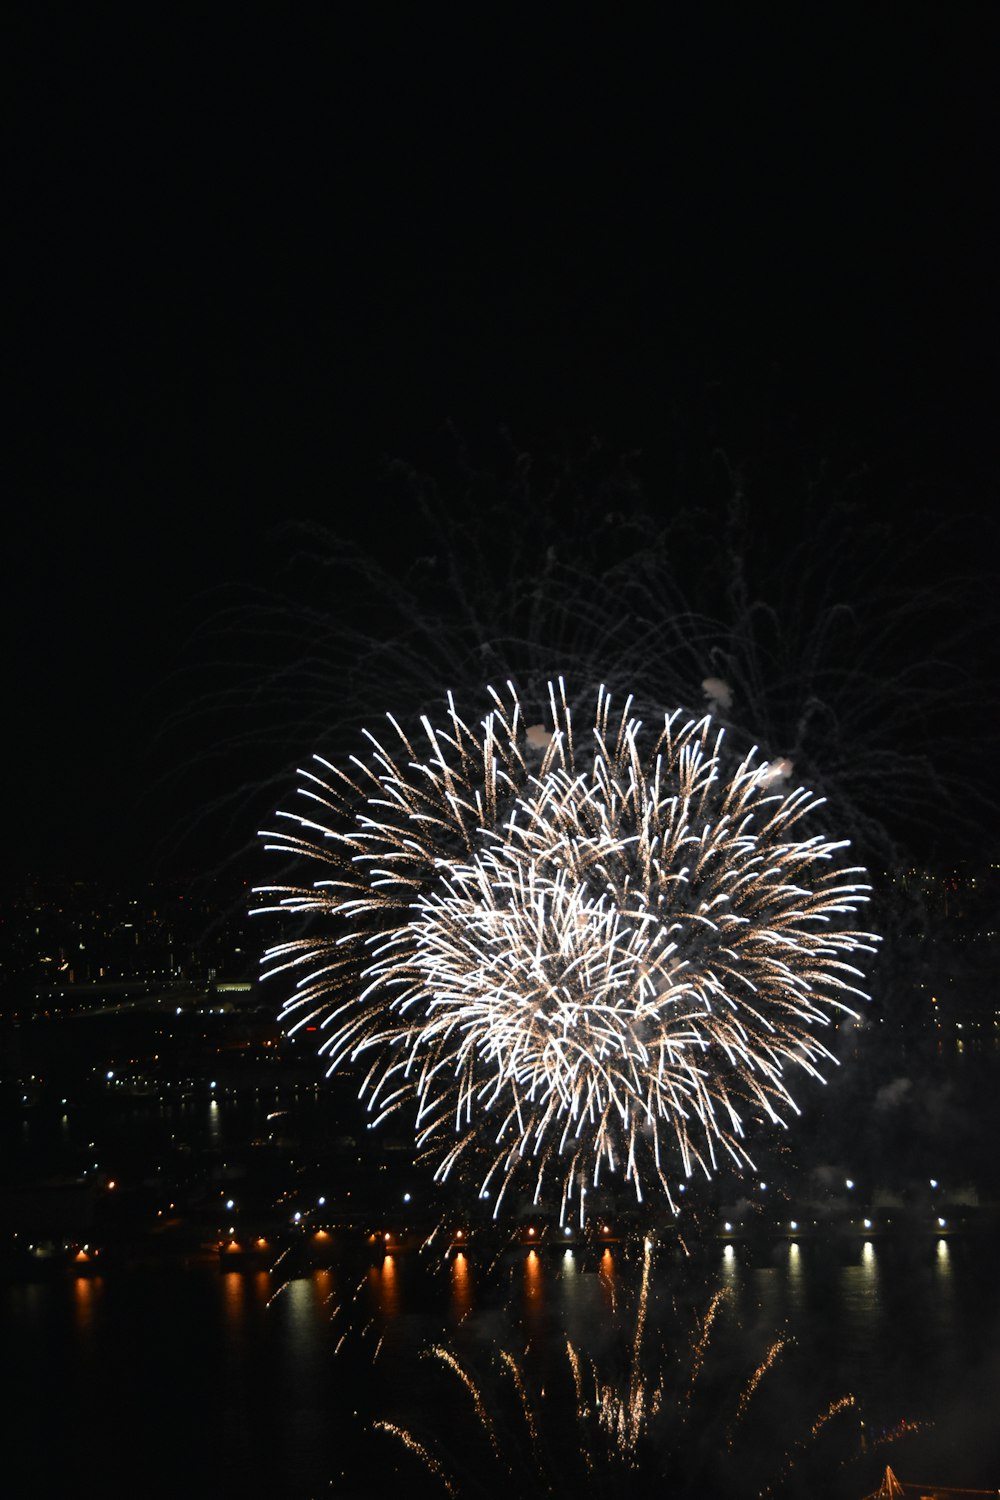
255	254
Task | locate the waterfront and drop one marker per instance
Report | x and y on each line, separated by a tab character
238	1382
173	1361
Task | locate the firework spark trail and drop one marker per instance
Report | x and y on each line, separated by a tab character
413	1446
438	1351
581	1408
833	1410
574	1364
584	954
514	1370
700	1345
624	1412
822	1420
753	1383
636	1390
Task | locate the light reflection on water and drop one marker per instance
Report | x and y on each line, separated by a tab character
461	1286
796	1279
893	1322
299	1307
214	1124
86	1303
731	1276
234	1294
383	1282
944	1286
608	1281
860	1301
533	1287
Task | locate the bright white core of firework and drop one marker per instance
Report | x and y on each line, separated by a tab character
569	961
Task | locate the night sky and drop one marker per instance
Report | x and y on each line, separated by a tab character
256	256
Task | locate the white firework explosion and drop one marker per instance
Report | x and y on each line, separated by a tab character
569	959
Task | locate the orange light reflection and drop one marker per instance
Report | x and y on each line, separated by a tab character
461	1285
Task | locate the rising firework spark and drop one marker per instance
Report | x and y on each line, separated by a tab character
572	957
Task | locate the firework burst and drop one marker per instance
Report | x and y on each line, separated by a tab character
571	957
